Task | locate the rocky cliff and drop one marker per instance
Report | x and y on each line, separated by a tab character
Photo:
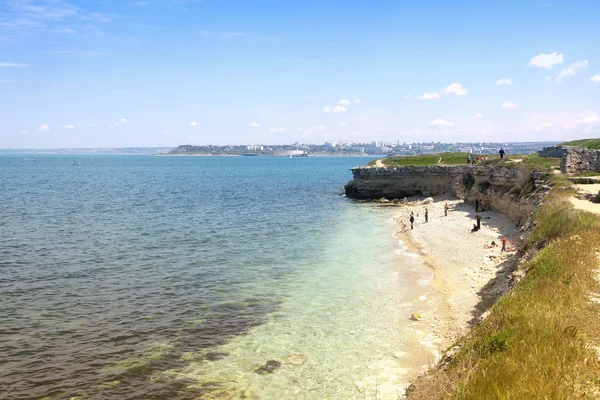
499	187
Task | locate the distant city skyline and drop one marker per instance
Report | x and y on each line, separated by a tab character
158	73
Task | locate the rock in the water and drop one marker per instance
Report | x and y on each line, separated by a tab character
294	359
215	355
268	368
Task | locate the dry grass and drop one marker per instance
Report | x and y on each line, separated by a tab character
539	341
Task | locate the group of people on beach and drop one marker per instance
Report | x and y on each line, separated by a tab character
476	225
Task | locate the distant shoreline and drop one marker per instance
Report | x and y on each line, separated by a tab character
267	155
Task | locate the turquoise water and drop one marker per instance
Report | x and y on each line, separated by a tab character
179	277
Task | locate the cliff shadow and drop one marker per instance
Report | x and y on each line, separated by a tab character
494	288
489	217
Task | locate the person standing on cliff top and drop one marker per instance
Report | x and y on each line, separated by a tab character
502	152
412	220
468	159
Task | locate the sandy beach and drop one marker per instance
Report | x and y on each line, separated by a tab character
467	276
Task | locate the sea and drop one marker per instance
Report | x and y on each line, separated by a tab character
141	277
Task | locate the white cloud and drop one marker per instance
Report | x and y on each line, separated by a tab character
44	128
274	130
121	121
408	96
595	78
193	123
254	124
504	81
546	60
571	70
342	124
335	109
510	104
455	88
90	125
356	101
441	122
588	117
23	132
70	126
429	96
478	115
344	103
11	65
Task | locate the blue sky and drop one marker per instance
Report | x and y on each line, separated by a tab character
104	73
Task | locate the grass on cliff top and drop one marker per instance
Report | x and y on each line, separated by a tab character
514	160
425	159
541	340
587	143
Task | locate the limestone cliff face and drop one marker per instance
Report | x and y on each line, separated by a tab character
499	187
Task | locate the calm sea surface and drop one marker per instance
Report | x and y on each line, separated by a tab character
138	277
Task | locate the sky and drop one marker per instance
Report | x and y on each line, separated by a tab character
117	73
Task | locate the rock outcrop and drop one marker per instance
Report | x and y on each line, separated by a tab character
575	160
498	187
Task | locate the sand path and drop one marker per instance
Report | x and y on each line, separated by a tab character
468	276
586	205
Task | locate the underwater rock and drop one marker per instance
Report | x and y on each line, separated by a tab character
294	359
268	368
215	355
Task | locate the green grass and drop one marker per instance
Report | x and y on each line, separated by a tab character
535	161
587	143
513	160
539	341
425	159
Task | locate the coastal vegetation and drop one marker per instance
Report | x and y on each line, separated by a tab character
539	341
530	160
593	144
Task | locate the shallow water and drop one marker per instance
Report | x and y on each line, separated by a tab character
179	277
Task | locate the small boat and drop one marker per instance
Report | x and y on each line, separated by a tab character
75	162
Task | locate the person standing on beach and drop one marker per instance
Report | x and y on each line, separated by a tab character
412	220
478	219
426	216
446	209
476	205
503	244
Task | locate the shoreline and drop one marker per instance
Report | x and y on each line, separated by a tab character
467	278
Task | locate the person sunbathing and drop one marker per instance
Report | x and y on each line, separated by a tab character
490	246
